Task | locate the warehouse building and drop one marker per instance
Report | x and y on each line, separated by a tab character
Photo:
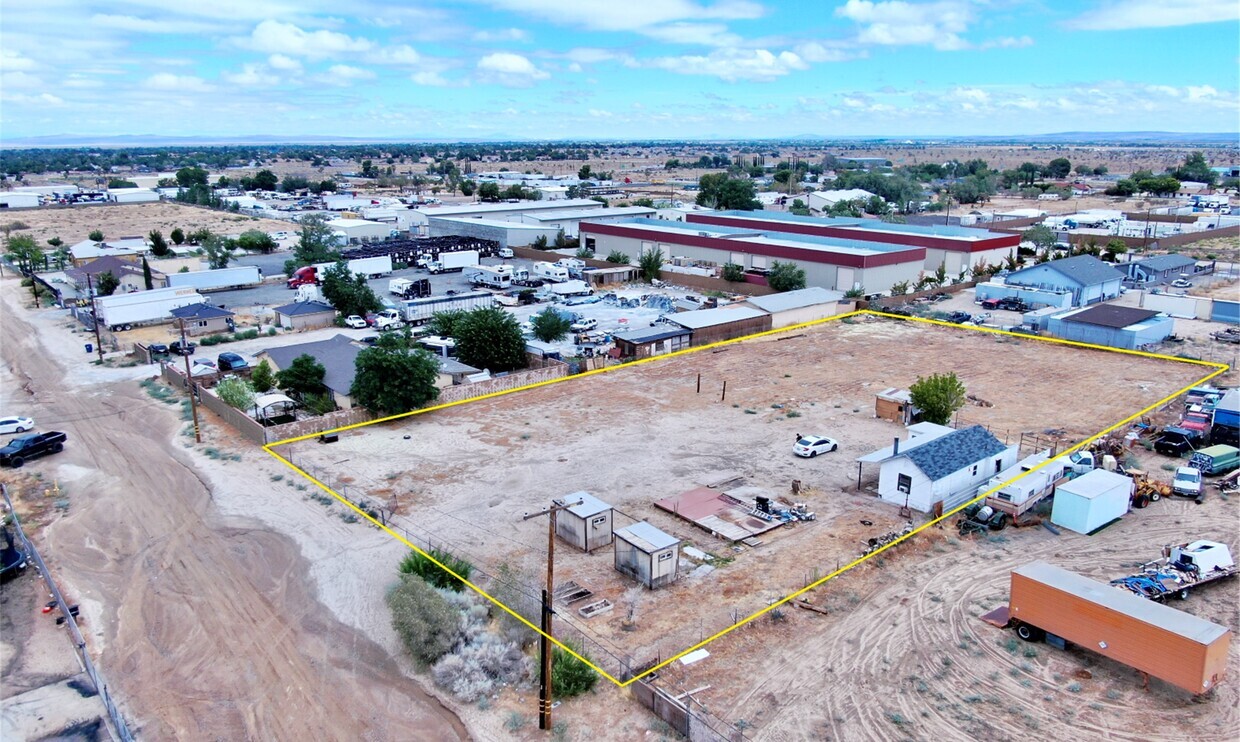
1086	278
802	305
132	195
504	233
725	323
1159	269
569	220
13	200
1112	326
357	230
955	248
509	211
829	262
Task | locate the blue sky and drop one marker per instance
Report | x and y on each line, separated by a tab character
554	69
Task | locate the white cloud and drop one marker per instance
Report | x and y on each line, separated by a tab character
395	55
177	83
43	99
813	51
147	25
430	79
281	62
758	65
342	75
19	80
274	37
1007	42
512	70
608	15
899	23
1201	92
501	34
251	76
1119	15
600	114
971	95
701	34
12	61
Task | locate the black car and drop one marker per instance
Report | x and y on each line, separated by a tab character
158	349
26	447
1177	442
186	349
959	317
230	362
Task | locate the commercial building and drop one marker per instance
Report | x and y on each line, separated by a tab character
569	220
1112	326
829	262
955	248
504	233
12	200
1086	278
802	305
356	230
824	200
509	211
725	323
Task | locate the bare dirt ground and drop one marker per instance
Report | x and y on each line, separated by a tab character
74	223
464	476
204	619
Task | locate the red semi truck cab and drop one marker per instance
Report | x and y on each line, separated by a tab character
303	277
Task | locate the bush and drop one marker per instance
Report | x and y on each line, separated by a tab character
516	590
425	622
416	563
569	675
733	272
236	393
615	256
478	668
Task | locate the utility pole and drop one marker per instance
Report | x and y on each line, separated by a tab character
189	382
94	317
544	681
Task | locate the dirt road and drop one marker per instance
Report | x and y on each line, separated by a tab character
206	627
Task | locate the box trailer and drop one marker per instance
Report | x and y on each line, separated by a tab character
1176	647
453	262
374	267
143	307
241	276
417	311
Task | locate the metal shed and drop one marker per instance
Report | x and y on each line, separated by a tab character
1091	501
586	526
647	554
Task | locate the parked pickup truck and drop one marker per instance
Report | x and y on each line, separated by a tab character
26	447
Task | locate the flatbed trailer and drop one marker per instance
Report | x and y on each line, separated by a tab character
1181	569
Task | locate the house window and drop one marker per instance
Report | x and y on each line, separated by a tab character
202	323
975	470
904	483
665	556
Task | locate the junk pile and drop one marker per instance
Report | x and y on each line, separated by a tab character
784	512
879	542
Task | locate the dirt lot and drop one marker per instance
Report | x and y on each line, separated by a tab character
74	223
463	477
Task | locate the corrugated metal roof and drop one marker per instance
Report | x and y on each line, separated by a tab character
701	318
798	299
649	336
951	453
590	505
1122	601
646	537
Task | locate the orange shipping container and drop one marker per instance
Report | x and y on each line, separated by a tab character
1174	646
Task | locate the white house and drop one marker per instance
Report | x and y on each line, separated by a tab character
939	465
824	200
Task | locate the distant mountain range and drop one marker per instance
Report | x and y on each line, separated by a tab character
1067	137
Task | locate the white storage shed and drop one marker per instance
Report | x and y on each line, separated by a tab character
586	526
647	554
1092	500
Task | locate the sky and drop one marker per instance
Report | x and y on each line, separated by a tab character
615	69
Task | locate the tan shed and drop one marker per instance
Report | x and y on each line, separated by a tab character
1179	648
895	405
587	525
647	554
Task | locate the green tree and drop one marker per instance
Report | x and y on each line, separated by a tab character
348	292
900	288
191	176
719	191
491	339
584	253
549	325
304	376
147	279
262	378
651	264
468	188
256	240
424	566
1100	170
178	236
447	323
615	256
26	254
851	208
1058	168
55	242
1041	236
1196	169
159	246
938	396
799	208
940	274
392	378
265	180
106	284
733	272
1030	171
426	623
218	249
317	244
786	276
1123	187
236	393
121	183
583	173
1115	248
488	191
540	242
96	235
569	675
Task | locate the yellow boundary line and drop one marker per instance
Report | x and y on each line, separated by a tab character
1219	368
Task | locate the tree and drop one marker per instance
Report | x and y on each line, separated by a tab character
1116	247
549	325
899	289
106	284
584	253
147	279
468	187
491	339
651	264
326	186
1196	169
940	274
121	183
262	378
786	276
55	242
938	396
540	242
615	256
236	393
96	235
317	243
1030	171
488	191
218	249
569	675
583	173
1059	167
1042	236
1123	187
851	208
426	623
719	191
733	272
303	376
424	566
191	176
159	246
798	207
23	251
1100	170
447	323
256	240
348	292
393	378
178	236
265	180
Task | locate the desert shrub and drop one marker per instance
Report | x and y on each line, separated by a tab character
236	393
416	563
569	675
424	620
482	666
514	589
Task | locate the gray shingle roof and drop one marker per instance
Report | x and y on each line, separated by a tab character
1083	269
1160	263
337	354
955	451
200	311
304	307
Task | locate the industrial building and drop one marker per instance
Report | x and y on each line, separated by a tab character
823	200
829	262
504	233
1086	278
587	525
725	323
509	211
1113	326
647	554
356	230
955	248
569	220
802	305
132	195
15	200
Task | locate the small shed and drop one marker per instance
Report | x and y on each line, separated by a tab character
305	315
204	319
725	323
587	525
1091	501
655	341
895	405
647	554
802	305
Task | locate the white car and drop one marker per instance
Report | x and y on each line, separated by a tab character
16	424
1180	283
810	446
281	235
356	322
1187	481
505	252
583	325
